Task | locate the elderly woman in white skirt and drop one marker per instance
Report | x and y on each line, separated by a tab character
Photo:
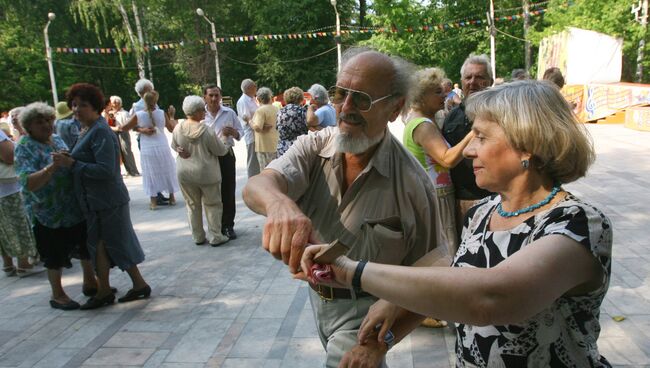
199	174
158	167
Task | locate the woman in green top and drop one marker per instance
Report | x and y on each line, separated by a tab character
423	139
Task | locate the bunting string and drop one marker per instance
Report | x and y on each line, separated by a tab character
300	36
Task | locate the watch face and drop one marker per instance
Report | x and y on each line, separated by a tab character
389	339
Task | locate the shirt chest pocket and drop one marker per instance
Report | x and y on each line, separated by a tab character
383	240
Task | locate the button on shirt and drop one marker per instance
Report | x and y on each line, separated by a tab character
398	229
246	107
225	117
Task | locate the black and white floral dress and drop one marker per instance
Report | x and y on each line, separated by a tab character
565	333
291	123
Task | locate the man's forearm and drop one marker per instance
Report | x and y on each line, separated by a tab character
263	189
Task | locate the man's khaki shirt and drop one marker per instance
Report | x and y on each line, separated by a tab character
389	213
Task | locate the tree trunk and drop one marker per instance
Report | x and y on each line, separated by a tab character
362	13
641	49
527	50
137	47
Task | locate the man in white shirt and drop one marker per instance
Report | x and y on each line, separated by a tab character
225	123
246	107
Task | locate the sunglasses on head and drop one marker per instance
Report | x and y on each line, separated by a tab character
361	100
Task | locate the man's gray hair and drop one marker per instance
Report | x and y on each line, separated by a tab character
117	99
319	94
402	79
34	111
264	95
15	112
193	104
245	84
142	85
479	60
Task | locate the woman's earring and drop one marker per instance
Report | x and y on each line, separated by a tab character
525	163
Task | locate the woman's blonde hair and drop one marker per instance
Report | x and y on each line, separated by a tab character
150	100
425	81
538	120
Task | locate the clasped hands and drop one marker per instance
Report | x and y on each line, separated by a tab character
61	159
288	236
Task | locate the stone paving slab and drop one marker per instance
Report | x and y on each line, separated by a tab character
235	306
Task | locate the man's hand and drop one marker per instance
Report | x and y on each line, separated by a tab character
383	314
369	355
171	111
182	153
230	132
286	233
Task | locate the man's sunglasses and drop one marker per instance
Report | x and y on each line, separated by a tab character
361	100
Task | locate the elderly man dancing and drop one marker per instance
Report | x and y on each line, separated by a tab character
327	185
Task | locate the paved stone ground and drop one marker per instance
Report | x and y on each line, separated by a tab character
235	306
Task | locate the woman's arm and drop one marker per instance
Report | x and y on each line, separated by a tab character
132	124
257	123
515	290
103	150
429	137
7	152
170	121
40	178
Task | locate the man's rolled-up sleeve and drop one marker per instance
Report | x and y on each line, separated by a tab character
296	164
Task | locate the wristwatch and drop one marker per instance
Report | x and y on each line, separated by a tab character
389	339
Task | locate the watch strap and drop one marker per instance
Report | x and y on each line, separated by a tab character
356	278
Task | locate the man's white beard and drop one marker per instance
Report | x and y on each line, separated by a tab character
347	144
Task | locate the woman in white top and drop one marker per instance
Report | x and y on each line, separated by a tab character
158	166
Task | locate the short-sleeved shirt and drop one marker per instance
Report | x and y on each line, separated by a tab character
54	205
564	334
388	214
266	141
292	123
326	116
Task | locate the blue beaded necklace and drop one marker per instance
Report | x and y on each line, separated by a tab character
530	208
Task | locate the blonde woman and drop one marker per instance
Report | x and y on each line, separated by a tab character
423	139
156	161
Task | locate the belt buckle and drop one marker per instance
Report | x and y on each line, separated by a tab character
322	295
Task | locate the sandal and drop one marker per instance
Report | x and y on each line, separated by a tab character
433	323
9	271
25	272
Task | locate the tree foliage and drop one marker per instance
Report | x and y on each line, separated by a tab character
278	64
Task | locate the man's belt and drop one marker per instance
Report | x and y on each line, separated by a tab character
330	293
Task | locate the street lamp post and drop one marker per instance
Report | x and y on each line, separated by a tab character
338	33
48	56
201	13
